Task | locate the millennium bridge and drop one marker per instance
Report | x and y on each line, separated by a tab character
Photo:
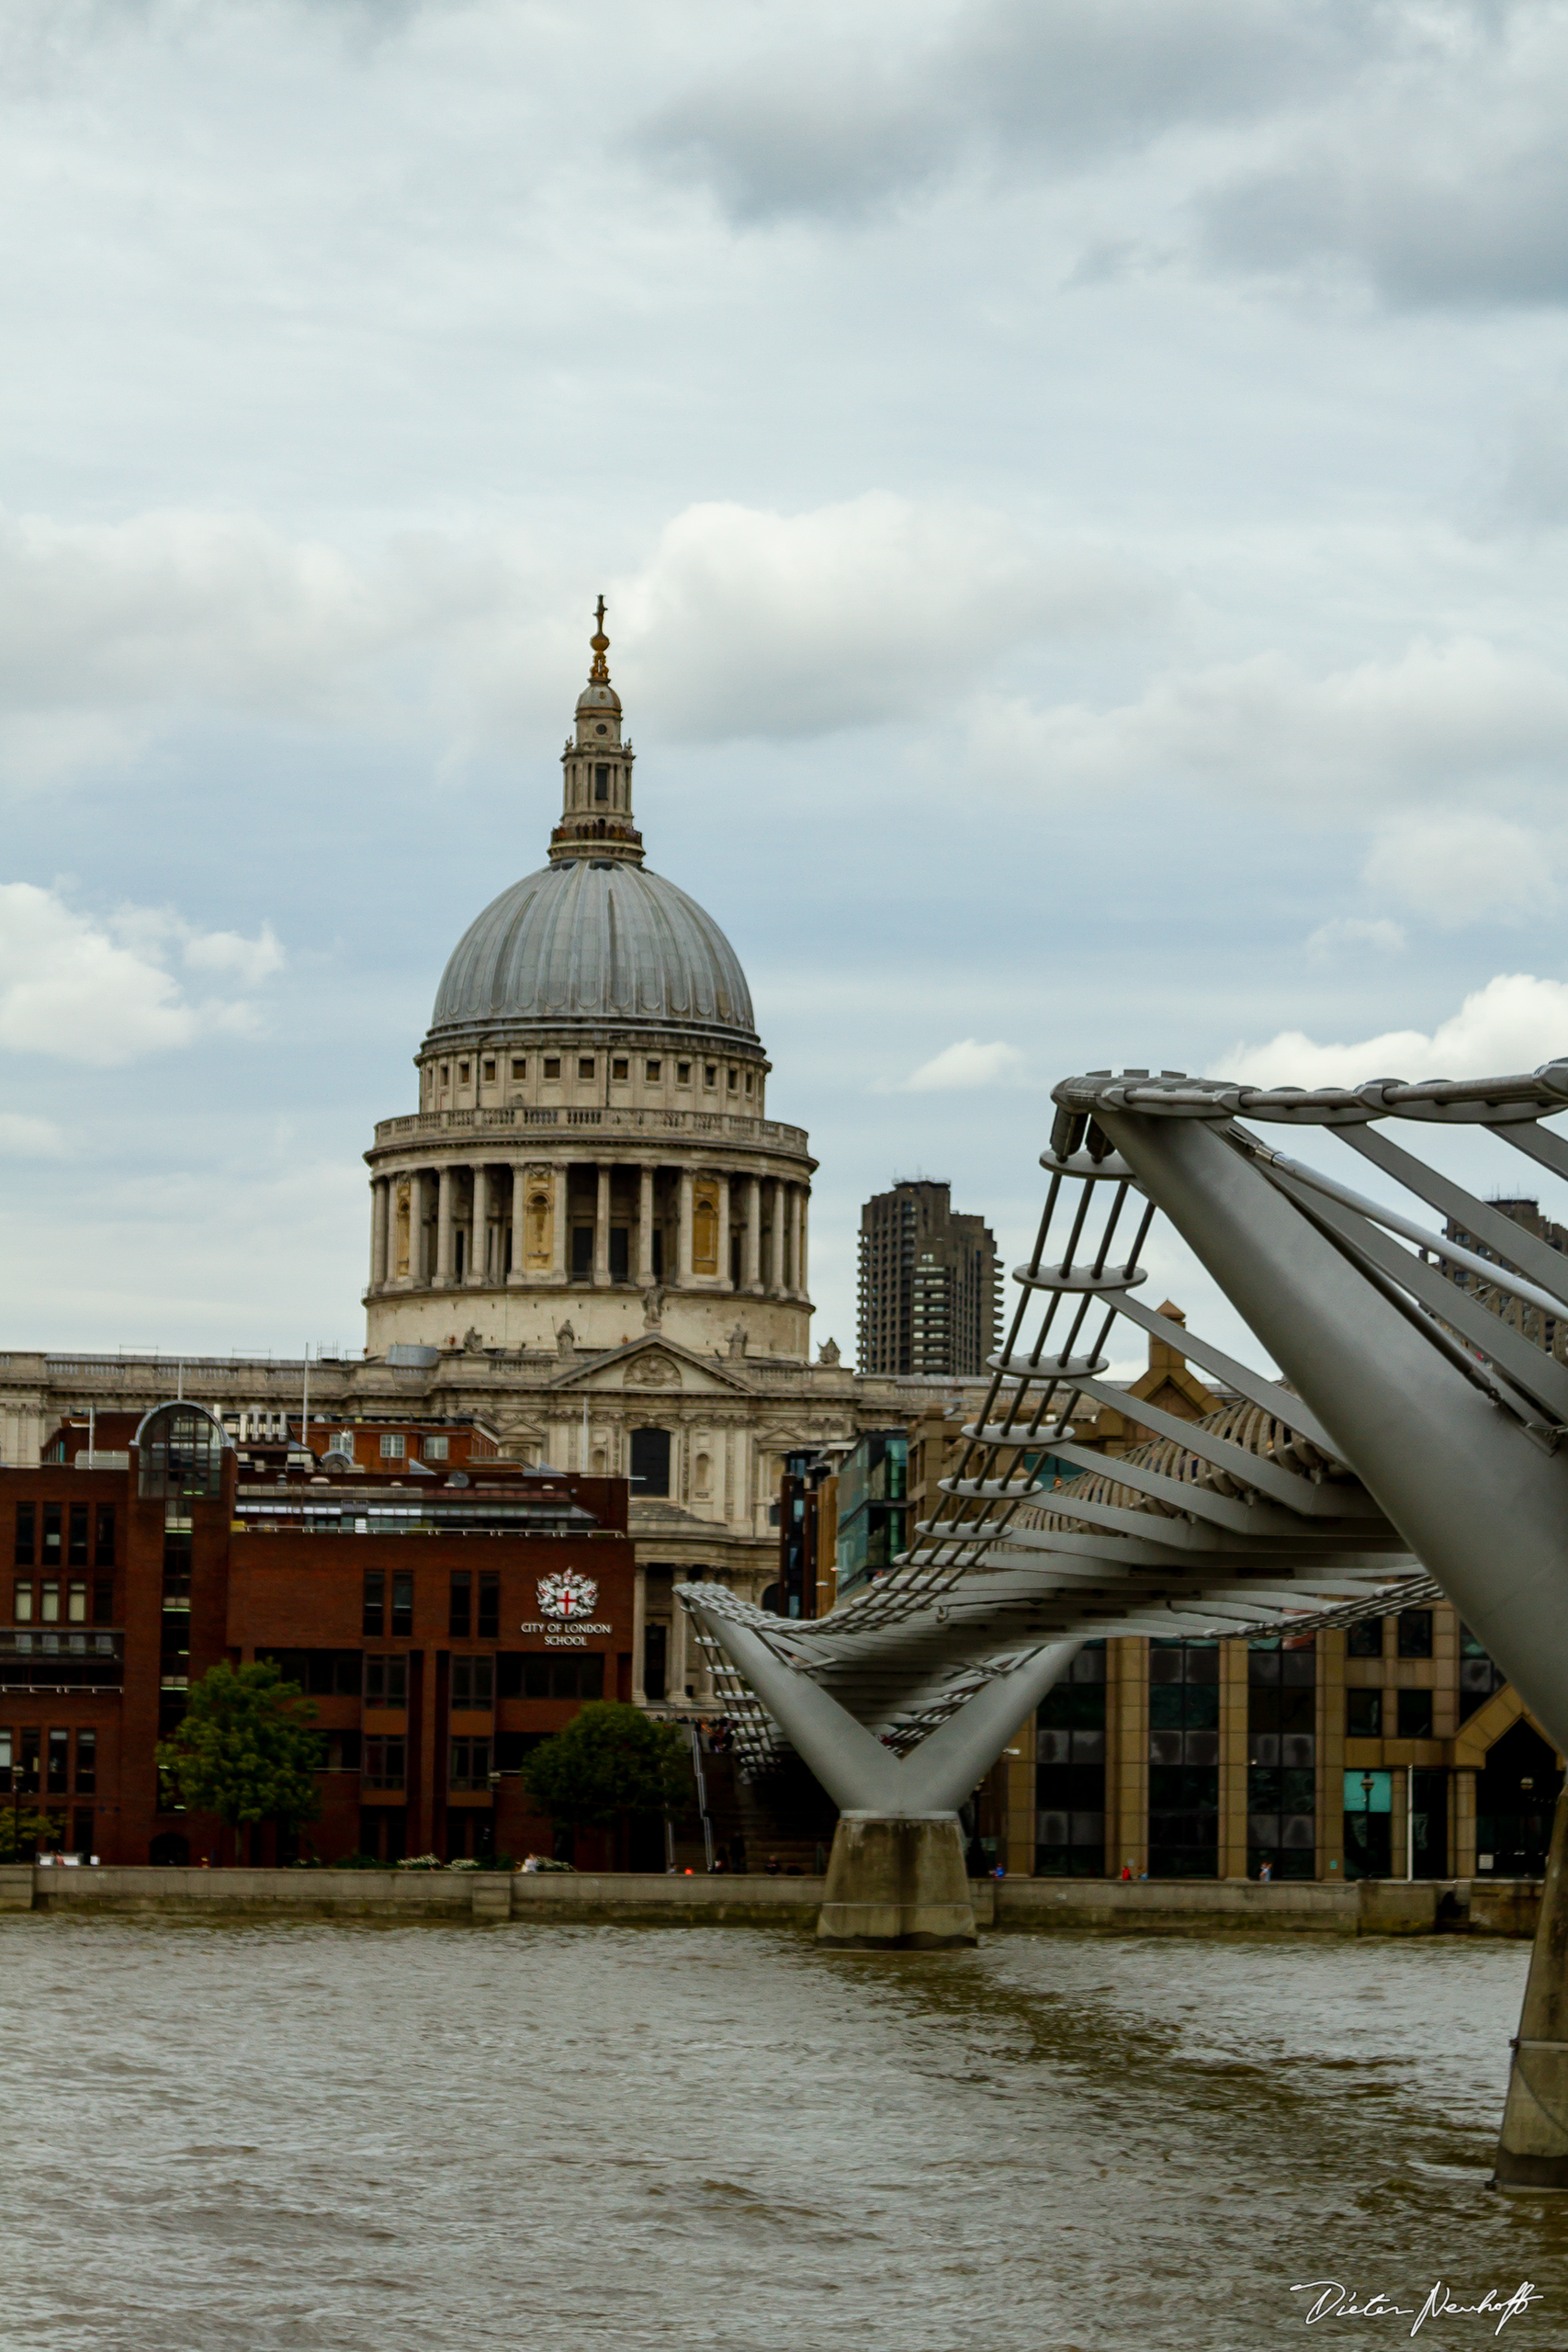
1414	1446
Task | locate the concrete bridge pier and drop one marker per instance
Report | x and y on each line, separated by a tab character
896	1881
1532	2151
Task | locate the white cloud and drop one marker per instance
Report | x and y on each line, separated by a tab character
1462	867
26	1138
87	992
1458	713
1345	934
251	960
968	1063
1515	1022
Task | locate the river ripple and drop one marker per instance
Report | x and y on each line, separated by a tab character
581	2139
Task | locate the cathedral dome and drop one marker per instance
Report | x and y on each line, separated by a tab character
595	940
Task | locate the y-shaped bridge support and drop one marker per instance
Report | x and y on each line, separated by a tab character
896	1875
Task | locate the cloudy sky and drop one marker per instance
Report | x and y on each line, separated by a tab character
1082	492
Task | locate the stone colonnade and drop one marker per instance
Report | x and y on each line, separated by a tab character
534	1202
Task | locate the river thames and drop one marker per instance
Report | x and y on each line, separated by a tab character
448	2140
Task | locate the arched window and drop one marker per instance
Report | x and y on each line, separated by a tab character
180	1450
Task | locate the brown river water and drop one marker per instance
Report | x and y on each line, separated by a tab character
453	2139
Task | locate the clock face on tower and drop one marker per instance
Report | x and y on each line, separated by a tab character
568	1595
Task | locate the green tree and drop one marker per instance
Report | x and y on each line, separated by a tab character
610	1760
24	1830
245	1750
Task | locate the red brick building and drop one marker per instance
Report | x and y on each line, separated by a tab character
441	1627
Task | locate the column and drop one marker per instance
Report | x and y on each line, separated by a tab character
561	1186
777	1253
645	1277
416	1226
445	1176
683	1259
753	1233
601	1227
639	1627
796	1200
724	1281
380	1200
479	1232
679	1632
805	1222
519	1219
1463	1858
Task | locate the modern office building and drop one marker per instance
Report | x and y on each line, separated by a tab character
929	1284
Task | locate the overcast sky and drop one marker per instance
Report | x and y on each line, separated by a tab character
1081	488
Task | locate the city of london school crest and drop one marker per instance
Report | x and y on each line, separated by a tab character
567	1595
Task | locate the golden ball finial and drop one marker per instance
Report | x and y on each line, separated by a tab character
600	645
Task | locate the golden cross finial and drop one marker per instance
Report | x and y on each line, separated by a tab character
600	672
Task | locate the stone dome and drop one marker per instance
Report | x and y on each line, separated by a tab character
594	941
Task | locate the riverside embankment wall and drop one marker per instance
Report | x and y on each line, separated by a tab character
1020	1906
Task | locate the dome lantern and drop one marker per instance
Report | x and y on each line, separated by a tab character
596	797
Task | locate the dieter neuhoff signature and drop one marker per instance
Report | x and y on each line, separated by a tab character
1333	2300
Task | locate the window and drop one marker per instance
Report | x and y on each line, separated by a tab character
1365	1638
519	1065
470	1764
585	1065
434	1449
22	1601
682	1073
373	1616
462	1073
473	1685
1363	1714
750	1081
1069	1826
25	1529
5	1760
76	1601
103	1600
385	1764
601	783
48	1600
734	1081
1414	1714
446	1073
391	1446
651	1463
710	1074
387	1682
552	1065
59	1767
86	1762
51	1535
653	1070
489	1073
1281	1757
402	1604
545	1675
488	1628
103	1548
27	1764
342	1751
460	1604
620	1068
1184	1757
1479	1677
76	1548
1415	1633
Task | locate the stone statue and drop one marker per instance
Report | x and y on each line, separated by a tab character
653	1307
473	1342
828	1353
566	1340
738	1338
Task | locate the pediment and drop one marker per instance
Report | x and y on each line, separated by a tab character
655	1366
